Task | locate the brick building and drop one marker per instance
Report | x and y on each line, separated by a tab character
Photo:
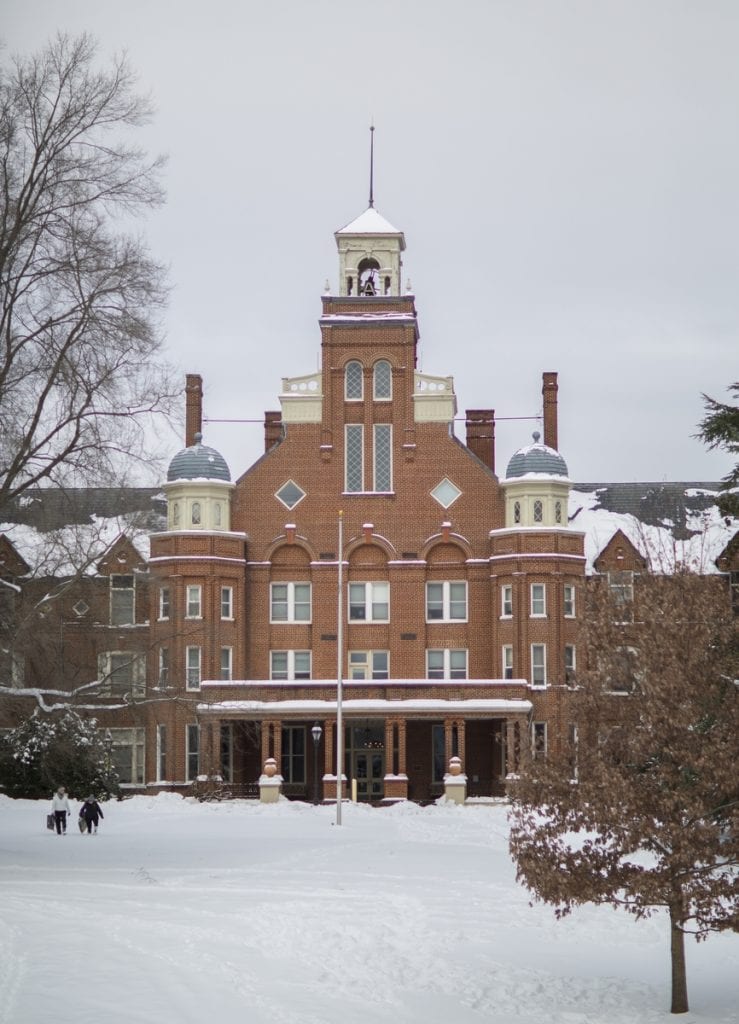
367	543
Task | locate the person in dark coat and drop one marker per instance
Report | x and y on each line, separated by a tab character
91	812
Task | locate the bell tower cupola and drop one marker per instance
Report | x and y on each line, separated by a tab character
370	249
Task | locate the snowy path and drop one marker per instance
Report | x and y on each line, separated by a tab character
240	913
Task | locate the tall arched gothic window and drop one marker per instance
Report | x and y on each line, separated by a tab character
353	381
383	380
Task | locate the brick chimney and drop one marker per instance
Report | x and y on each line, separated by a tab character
193	407
480	426
272	429
549	390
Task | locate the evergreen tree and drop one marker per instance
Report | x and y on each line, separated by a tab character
719	428
46	752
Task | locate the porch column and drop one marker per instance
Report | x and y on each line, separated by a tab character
329	769
266	729
460	744
402	767
214	752
396	781
511	760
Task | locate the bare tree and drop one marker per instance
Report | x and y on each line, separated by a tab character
636	805
81	369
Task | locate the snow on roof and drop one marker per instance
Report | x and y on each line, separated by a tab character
369	223
661	545
75	548
370	706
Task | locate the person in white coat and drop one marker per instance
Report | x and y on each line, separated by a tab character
60	807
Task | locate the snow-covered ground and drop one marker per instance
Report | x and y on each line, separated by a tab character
238	912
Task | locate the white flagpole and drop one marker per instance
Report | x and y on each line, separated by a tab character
339	674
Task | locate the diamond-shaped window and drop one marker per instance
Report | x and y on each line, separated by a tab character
290	494
446	493
80	609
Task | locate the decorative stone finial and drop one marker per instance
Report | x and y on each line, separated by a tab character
536	435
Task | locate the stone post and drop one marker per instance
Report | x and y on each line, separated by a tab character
270	783
455	783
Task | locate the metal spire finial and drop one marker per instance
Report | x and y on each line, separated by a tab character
372	165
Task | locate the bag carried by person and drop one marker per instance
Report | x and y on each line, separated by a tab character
50	822
82	824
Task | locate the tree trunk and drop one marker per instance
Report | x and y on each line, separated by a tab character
677	956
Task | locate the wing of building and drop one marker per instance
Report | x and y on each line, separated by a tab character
369	557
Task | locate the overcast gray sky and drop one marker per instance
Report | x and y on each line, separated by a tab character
566	173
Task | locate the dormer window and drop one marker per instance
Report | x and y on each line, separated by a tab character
369	282
353	381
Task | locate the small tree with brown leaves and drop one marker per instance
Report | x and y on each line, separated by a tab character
637	806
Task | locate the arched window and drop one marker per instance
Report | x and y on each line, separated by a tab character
353	381
558	511
383	380
217	514
368	274
196	513
176	514
516	511
538	511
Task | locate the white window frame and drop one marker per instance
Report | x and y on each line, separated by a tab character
368	664
193	667
226	663
111	662
192	752
117	588
539	739
569	601
371	603
387	470
164	667
506	601
621	586
507	660
133	740
570	663
633	653
227	603
447	601
295	662
291	603
444	667
539	666
161	754
538	607
164	603
193	601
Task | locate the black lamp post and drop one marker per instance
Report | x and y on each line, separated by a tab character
316	732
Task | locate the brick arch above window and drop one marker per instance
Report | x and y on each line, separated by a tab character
453	552
284	554
374	553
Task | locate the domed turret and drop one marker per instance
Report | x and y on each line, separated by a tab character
536	458
198	462
537	487
198	489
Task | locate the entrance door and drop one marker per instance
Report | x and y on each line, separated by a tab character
368	768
